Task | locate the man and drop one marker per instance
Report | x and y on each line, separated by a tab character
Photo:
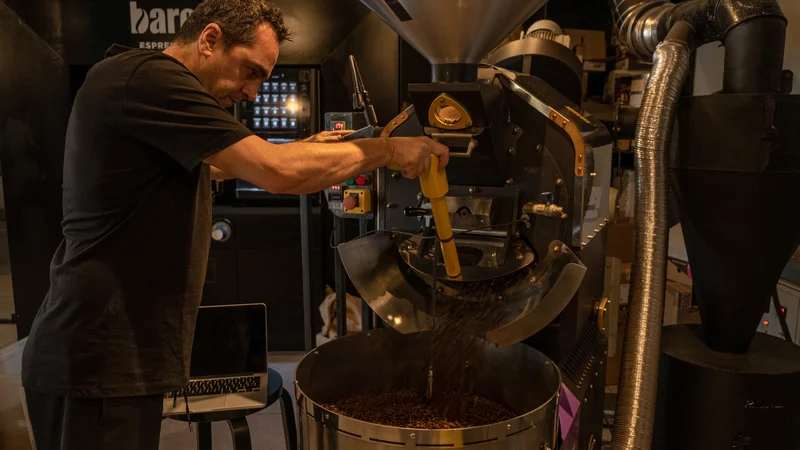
115	330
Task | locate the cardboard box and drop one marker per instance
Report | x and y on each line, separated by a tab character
590	46
625	283
633	64
676	274
619	240
691	316
620	84
619	244
626	200
678	305
615	362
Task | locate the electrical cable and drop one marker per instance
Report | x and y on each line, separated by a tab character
330	240
186	402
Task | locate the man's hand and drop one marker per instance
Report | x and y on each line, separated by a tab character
412	156
328	136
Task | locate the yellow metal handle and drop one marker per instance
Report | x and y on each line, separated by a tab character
434	186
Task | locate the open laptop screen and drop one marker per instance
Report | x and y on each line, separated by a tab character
230	340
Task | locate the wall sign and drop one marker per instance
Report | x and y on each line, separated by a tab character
155	27
81	30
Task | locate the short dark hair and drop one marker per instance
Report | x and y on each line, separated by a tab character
238	20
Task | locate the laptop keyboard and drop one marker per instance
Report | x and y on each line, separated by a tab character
219	386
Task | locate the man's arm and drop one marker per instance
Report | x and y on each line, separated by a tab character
219	175
328	136
307	167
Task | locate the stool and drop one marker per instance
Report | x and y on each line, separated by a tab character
237	420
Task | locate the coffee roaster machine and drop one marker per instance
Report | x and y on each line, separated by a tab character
527	201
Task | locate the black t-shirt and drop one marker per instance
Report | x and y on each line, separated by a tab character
126	280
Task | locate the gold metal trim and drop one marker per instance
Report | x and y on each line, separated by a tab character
572	130
578	115
444	100
471	144
602	308
396	122
575	136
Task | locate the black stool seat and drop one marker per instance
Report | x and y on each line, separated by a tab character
237	419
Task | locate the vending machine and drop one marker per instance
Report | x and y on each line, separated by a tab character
286	109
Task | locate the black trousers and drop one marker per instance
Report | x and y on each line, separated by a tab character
60	423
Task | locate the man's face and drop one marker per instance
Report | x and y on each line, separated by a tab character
234	74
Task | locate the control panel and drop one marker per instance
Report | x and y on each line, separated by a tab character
352	199
344	121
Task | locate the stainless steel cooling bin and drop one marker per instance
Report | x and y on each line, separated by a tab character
518	376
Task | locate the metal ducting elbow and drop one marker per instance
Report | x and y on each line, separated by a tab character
643	24
638	23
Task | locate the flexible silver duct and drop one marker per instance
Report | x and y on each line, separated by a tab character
642	24
636	402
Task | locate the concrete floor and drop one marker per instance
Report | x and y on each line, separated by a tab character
8	333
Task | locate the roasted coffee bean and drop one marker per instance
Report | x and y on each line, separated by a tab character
408	408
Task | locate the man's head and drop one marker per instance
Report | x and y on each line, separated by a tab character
233	45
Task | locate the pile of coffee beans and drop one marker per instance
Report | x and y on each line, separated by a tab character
470	310
408	408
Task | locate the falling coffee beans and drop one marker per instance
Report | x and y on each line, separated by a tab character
456	351
455	356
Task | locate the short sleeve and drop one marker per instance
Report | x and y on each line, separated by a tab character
168	108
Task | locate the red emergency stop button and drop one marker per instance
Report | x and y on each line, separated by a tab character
362	180
351	202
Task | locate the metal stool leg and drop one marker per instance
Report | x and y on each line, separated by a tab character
289	426
203	436
241	434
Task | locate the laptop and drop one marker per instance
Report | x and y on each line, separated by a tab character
229	362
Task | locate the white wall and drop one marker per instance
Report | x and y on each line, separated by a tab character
711	57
